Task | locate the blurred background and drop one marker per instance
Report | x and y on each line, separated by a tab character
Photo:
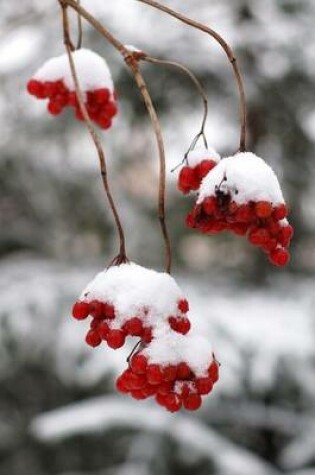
59	413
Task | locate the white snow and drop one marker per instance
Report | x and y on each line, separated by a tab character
199	154
174	348
92	70
135	292
248	178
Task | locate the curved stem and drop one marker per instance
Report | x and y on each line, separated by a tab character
122	257
131	60
228	51
196	82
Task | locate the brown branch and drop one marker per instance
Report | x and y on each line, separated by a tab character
122	257
131	60
228	50
196	82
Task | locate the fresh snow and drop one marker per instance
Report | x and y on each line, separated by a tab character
173	348
245	177
135	291
92	70
199	154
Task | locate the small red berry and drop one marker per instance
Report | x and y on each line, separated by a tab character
92	338
36	88
54	108
139	364
187	180
192	402
244	214
280	212
205	167
147	335
183	306
263	209
173	402
96	309
169	373
134	327
115	339
103	330
101	95
214	371
154	374
109	311
183	326
121	385
183	371
204	385
80	310
209	205
280	257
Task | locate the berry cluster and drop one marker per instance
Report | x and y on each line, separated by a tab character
263	224
199	163
53	81
173	386
100	103
228	202
104	325
171	365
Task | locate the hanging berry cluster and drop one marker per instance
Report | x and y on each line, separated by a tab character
171	364
53	81
239	194
242	195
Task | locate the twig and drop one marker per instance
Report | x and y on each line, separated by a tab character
199	88
228	50
122	257
131	60
80	29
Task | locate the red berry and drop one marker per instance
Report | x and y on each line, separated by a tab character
80	310
244	214
173	402
92	338
259	236
165	387
280	257
139	364
121	385
280	212
209	205
173	323
101	95
103	330
109	311
96	309
110	110
183	306
183	371
205	167
138	394
192	402
115	339
169	373
263	209
104	122
204	385
154	374
147	335
54	108
72	99
149	390
183	326
134	327
187	180
214	371
36	88
160	399
240	229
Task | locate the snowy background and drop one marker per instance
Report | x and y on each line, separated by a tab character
59	414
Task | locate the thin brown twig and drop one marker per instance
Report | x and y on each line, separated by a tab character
228	50
131	60
197	84
80	29
122	257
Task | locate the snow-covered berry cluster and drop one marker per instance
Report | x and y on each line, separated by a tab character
199	163
130	300
177	370
53	81
242	194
